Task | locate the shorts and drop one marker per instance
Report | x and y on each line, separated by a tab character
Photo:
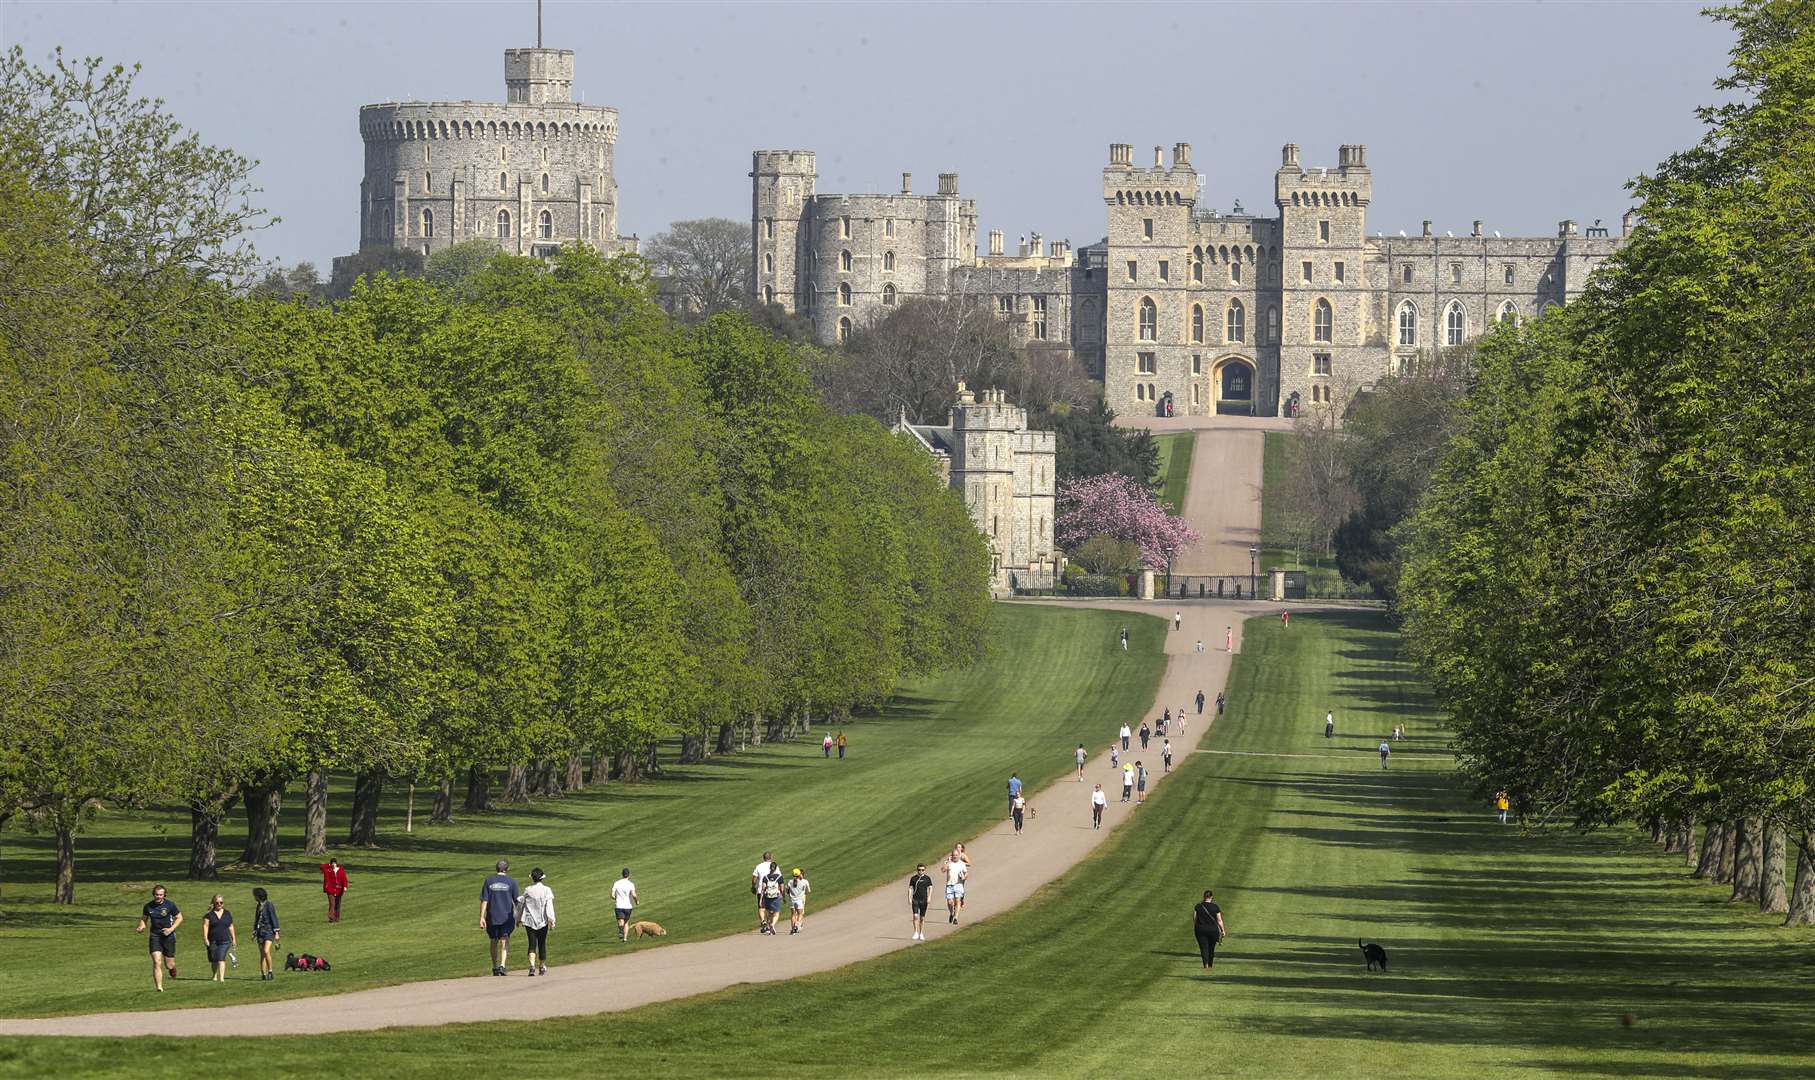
162	942
624	914
771	903
917	907
499	931
217	951
798	905
955	891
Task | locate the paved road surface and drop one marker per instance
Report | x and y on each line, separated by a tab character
1223	499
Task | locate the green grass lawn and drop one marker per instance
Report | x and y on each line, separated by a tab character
1511	954
1175	467
928	771
1323	580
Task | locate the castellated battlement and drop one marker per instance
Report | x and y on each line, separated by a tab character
473	120
537	76
1164	184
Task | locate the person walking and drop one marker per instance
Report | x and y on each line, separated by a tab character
1128	782
1329	725
1386	749
1285	619
772	890
1207	926
1219	704
1098	800
1502	803
1124	639
1200	703
798	888
842	742
266	932
1126	734
1018	808
964	873
624	902
919	885
1200	645
1146	732
954	886
1178	619
160	917
1014	791
1228	639
1115	756
1166	755
334	883
218	936
1140	783
825	746
538	919
1080	757
757	877
498	914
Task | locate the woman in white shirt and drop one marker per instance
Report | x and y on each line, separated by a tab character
537	919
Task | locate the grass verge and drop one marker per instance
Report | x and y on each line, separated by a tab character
1176	450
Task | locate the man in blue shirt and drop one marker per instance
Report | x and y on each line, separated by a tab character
160	917
1014	789
498	913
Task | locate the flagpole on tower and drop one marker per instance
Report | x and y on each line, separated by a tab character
538	24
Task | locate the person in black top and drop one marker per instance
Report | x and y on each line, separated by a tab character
266	931
918	886
1207	924
1200	703
219	936
161	918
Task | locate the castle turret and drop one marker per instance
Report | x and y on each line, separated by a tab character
781	192
538	76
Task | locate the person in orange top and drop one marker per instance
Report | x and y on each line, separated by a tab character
334	883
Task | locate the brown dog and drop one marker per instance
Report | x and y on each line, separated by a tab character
648	929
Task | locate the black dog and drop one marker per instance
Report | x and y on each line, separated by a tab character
1376	956
291	963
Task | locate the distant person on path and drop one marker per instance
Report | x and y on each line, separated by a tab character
1220	698
1329	725
1115	756
1126	734
841	745
1200	703
1019	809
1146	732
1098	799
1166	754
1014	790
964	875
954	887
538	919
1285	618
266	931
798	887
918	887
1502	803
1178	619
624	902
1207	925
1166	716
160	918
1128	782
1140	783
1386	748
334	883
498	913
1228	639
772	890
1081	756
1200	645
1124	639
825	746
757	877
218	935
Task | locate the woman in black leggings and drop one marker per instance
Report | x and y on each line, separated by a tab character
1207	924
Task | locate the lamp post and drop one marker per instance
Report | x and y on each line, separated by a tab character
1253	588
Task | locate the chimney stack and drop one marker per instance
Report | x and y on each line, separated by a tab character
995	241
1477	231
948	183
1159	157
1628	222
1181	155
907	183
1288	156
1427	227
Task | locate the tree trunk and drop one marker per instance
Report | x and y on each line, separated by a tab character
1712	842
205	817
601	766
629	769
1773	898
693	747
64	825
1689	852
1748	856
655	764
777	728
576	772
1657	829
368	790
1729	849
1802	896
263	803
444	802
1678	836
315	812
479	788
727	738
516	783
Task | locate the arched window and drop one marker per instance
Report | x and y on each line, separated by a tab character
1455	324
428	222
1140	391
1272	326
888	261
812	296
1088	322
504	181
1150	320
1408	324
844	260
504	224
1197	323
545	225
1237	326
1235	273
888	295
544	183
1509	313
844	294
844	329
769	263
1323	322
390	223
768	294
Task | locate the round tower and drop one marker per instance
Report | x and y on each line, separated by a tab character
781	201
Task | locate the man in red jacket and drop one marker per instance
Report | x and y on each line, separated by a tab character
334	883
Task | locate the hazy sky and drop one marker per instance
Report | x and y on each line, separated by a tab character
1520	114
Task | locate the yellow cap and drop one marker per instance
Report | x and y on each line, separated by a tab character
797	871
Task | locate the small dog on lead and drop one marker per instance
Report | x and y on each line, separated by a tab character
647	929
1374	954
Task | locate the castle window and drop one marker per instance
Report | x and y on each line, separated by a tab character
1005	306
812	296
1146	363
504	224
390	224
1197	271
1197	323
1088	323
1509	273
768	228
1165	270
1320	363
1408	324
888	295
1455	273
1197	364
844	228
844	330
1132	266
428	185
1195	390
1323	232
768	294
1149	320
1272	326
888	261
1338	269
1237	322
1509	314
544	183
844	294
1323	322
1039	306
1455	324
1235	273
1304	273
1146	228
1140	391
888	226
1405	274
844	261
504	181
545	225
769	263
428	222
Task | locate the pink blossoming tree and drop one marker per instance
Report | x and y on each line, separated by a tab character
1120	507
